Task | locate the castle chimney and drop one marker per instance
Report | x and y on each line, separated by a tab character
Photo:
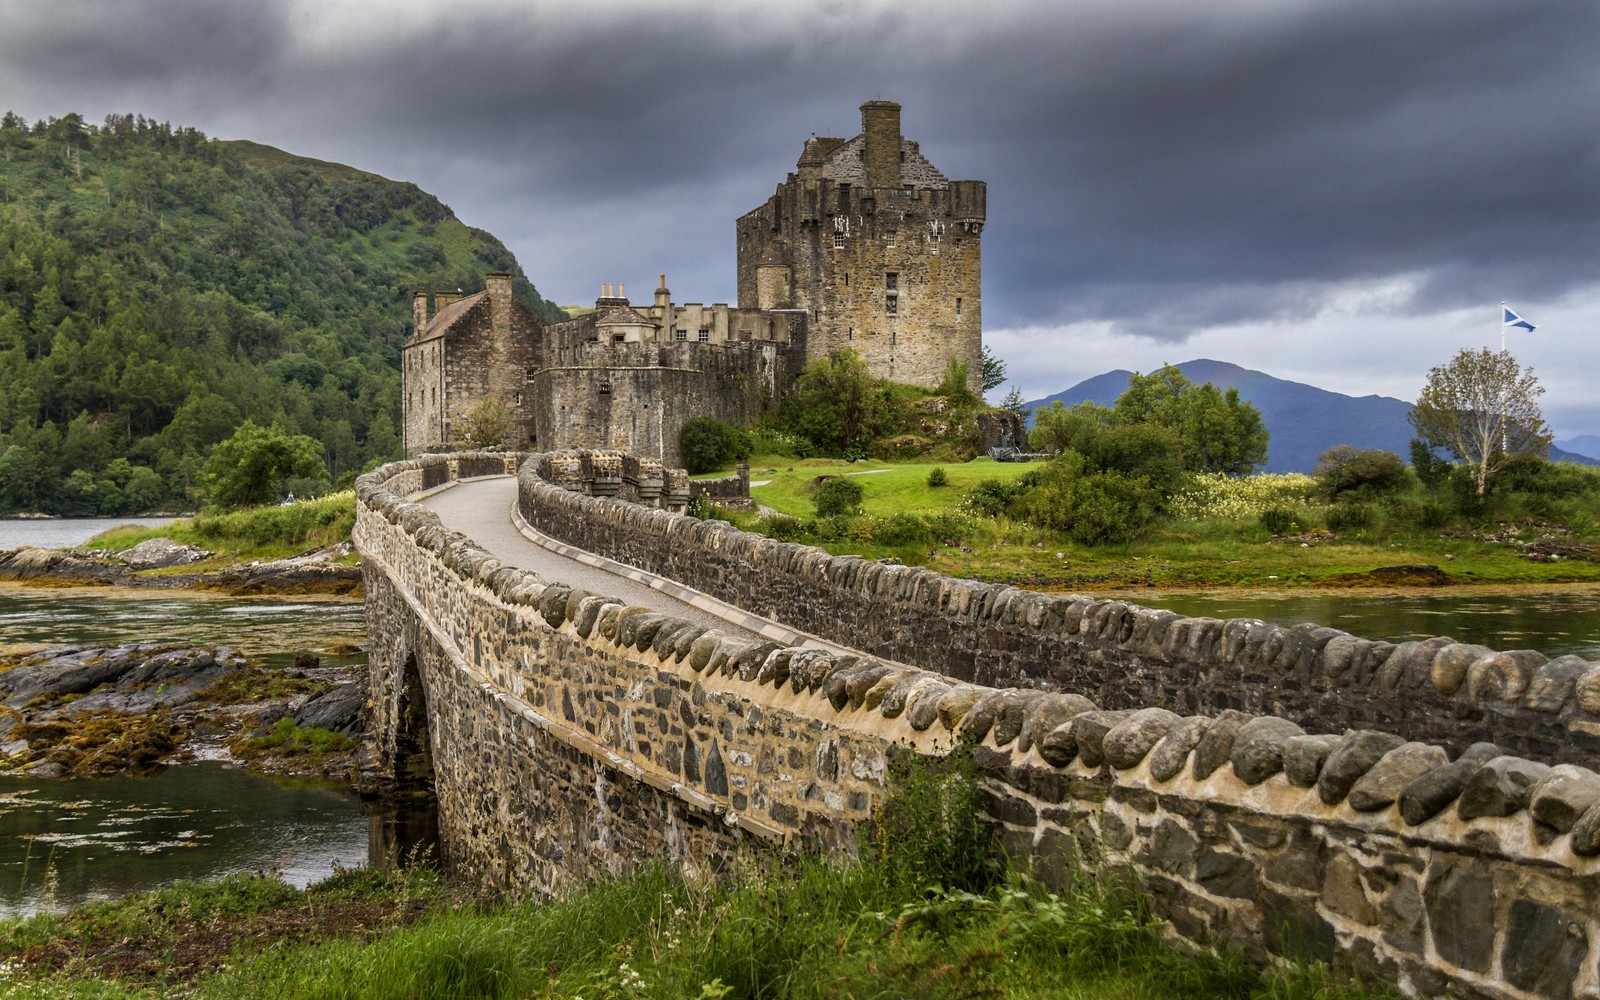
880	123
419	310
499	286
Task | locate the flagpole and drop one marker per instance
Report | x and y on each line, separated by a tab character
1502	326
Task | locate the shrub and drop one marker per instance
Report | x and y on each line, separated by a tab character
1279	521
1350	516
1421	515
1214	495
708	444
1090	507
937	478
837	495
1343	470
782	527
772	441
991	497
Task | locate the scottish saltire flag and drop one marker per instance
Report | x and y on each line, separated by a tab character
1514	321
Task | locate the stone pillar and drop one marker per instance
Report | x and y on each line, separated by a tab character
419	310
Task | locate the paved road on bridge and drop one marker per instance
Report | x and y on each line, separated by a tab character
483	510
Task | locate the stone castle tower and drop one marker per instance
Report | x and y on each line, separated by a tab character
877	248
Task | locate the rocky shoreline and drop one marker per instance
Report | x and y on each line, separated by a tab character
160	562
92	710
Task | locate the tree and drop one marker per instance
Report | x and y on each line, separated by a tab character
838	405
707	444
991	371
1346	469
488	425
251	467
1217	431
1013	402
1481	407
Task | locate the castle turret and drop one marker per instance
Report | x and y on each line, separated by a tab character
419	310
880	124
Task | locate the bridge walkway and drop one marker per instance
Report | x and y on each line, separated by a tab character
485	511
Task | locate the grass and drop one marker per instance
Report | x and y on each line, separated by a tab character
289	739
926	910
1197	552
272	532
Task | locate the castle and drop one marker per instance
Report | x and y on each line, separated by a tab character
868	246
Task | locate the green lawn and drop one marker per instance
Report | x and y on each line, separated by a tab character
887	488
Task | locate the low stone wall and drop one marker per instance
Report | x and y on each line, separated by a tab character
734	487
571	735
1119	654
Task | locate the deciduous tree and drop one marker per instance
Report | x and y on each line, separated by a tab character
1482	408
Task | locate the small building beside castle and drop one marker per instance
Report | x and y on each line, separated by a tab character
867	246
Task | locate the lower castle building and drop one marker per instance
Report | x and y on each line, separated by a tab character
867	246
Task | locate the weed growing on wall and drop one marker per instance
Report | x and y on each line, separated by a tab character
931	829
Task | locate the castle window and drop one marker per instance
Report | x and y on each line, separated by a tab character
705	335
680	334
519	399
958	305
617	338
851	335
891	304
891	280
891	240
838	241
847	279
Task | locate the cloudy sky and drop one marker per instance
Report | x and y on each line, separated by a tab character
1339	192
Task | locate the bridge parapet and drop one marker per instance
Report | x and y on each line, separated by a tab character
572	734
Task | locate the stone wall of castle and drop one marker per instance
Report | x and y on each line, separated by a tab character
637	396
652	737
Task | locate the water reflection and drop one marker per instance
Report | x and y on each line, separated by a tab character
69	841
1553	622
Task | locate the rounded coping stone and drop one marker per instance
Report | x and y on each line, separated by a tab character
1431	793
1585	840
875	694
775	671
1132	739
1552	684
1013	713
955	704
1451	663
1257	752
904	693
922	706
1586	692
701	652
1172	753
981	717
1216	743
1355	755
1059	745
864	679
1382	785
1047	712
805	665
1503	677
1303	757
1563	795
1090	729
1500	787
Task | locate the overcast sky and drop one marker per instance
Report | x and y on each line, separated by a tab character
1339	192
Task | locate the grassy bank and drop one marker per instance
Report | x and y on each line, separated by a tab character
1268	532
768	927
272	532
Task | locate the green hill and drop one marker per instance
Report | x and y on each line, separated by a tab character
158	287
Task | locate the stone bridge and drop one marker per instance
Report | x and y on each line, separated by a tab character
1426	811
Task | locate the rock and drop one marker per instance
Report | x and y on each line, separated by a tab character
1586	833
1216	744
980	718
1172	753
1451	663
1012	713
923	704
1353	757
159	553
1132	739
1257	752
1545	949
305	660
1380	786
1059	745
1429	794
1500	787
337	709
1303	757
1563	795
956	703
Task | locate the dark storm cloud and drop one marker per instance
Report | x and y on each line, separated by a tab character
1160	165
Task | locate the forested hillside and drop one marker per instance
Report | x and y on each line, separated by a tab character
158	288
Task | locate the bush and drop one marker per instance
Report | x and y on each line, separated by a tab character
837	495
937	478
1421	515
708	444
782	527
1343	470
1350	516
991	497
772	441
1088	506
1279	521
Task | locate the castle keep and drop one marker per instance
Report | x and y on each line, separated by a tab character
868	246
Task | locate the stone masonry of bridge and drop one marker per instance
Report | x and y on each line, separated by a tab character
570	734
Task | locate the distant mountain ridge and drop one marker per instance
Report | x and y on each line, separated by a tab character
1303	421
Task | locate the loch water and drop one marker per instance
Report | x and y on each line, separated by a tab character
68	841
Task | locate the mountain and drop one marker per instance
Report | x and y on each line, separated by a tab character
1302	420
1586	445
158	287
